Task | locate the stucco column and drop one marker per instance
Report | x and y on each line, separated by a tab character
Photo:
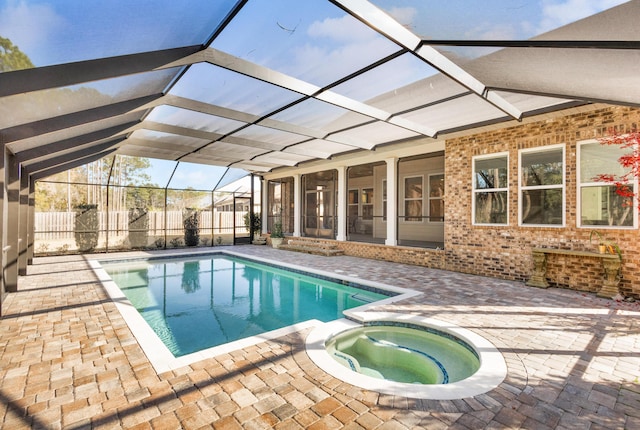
392	201
23	216
3	224
264	197
341	216
297	205
31	223
11	221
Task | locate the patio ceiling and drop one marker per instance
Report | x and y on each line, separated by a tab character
256	85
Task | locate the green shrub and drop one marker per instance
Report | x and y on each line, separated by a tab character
190	219
86	227
138	227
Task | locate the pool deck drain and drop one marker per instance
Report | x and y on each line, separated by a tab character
70	361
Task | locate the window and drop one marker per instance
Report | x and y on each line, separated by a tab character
353	209
542	186
599	204
367	203
384	200
436	198
413	199
490	189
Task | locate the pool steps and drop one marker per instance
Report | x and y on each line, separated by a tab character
311	247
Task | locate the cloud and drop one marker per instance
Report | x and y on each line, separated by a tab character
344	59
556	14
493	31
29	26
340	29
343	42
404	15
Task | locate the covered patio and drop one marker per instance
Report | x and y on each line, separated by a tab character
354	114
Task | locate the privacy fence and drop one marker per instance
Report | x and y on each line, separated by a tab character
59	232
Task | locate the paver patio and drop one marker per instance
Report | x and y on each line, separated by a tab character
68	360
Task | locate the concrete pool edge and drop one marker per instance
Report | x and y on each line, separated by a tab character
492	371
157	352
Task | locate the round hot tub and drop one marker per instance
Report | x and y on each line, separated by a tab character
409	356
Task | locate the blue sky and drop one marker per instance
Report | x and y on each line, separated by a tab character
54	31
489	19
60	31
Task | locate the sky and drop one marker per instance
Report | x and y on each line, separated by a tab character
46	29
489	19
294	37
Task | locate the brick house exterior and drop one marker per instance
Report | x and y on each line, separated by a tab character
505	251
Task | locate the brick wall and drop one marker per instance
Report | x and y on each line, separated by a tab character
505	251
396	254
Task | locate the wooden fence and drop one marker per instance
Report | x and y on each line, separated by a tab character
61	225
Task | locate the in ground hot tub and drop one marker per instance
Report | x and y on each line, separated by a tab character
408	356
404	353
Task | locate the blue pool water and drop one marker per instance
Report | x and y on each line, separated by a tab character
201	302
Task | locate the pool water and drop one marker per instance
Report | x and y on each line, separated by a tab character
197	303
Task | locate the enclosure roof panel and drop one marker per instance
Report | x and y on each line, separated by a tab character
258	85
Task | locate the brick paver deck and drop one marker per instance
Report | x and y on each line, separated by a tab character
68	360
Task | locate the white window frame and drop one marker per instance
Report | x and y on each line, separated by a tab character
384	200
580	185
429	198
352	205
405	199
561	186
357	193
363	205
488	190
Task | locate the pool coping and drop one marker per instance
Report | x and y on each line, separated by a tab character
492	371
161	357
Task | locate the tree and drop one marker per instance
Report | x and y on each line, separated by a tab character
126	172
630	162
60	192
11	58
131	186
188	198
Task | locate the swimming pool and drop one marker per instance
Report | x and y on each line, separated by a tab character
186	308
227	298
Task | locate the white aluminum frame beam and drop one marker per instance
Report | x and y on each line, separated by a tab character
379	21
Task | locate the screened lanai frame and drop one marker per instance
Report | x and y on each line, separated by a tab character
144	216
431	86
467	80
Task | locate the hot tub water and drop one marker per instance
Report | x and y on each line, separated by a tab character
404	354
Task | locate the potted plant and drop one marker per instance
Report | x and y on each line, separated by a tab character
253	223
602	247
276	234
605	246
